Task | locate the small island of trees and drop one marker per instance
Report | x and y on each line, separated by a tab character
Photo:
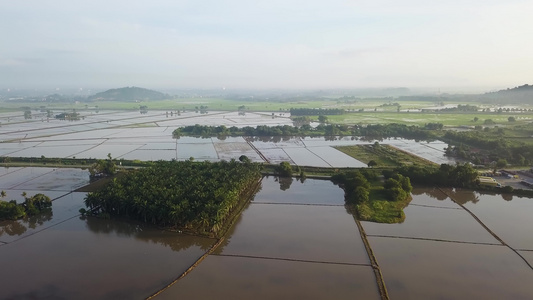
371	198
183	195
34	205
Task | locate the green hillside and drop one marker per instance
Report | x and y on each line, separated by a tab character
129	94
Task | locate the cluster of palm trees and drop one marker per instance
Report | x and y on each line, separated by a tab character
180	194
31	206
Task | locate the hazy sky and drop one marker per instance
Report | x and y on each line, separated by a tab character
266	44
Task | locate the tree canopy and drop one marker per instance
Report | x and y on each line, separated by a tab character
10	210
186	195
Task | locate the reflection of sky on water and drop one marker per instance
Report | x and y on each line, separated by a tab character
308	233
262	279
304	157
276	155
129	135
335	158
510	220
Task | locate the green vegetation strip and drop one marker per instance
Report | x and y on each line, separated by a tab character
382	155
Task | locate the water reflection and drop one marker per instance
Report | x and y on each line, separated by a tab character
460	196
19	227
463	196
145	233
284	182
434	193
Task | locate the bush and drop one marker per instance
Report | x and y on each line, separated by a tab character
285	169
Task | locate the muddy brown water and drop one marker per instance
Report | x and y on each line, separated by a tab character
297	243
441	252
95	259
293	241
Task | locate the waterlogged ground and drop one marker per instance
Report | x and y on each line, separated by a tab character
441	252
61	255
294	240
134	136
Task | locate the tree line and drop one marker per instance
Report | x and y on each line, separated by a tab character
373	131
494	147
316	111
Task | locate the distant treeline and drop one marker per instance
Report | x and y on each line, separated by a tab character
460	107
316	112
398	130
261	130
460	175
494	147
373	131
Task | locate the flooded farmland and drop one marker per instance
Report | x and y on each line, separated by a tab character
291	234
132	136
284	240
441	251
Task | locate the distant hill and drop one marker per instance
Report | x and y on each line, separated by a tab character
129	94
519	94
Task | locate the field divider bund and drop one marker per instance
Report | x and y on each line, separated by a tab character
90	148
490	231
302	204
17	170
433	206
251	144
214	147
293	259
382	288
432	240
308	149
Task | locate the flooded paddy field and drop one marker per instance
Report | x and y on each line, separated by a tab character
441	251
420	269
134	136
294	240
292	234
283	241
62	255
508	216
